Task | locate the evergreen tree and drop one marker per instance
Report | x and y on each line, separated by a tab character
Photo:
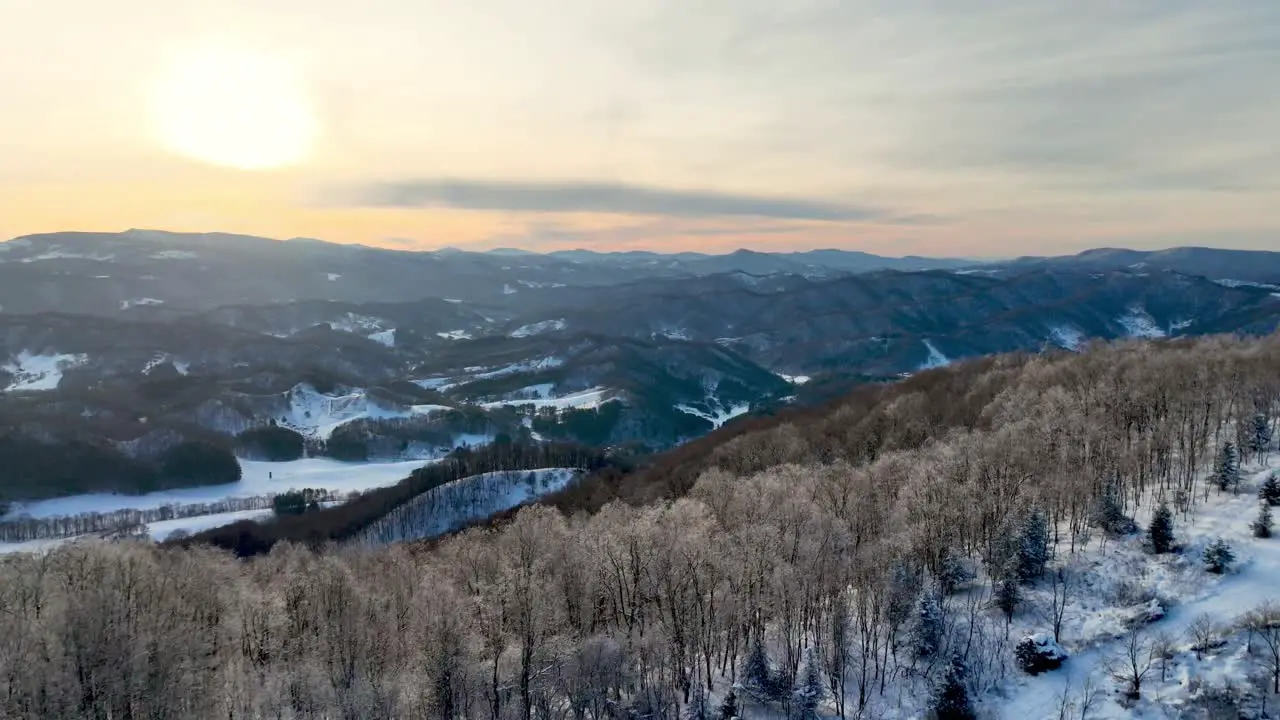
1008	592
1160	532
1108	512
728	709
952	571
1033	546
1227	470
1260	440
758	676
929	625
1269	493
1262	525
951	698
1218	556
809	690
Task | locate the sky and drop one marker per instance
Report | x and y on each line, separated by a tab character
933	127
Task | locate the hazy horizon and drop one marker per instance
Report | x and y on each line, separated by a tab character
949	129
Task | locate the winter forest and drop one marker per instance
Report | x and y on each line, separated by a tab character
941	552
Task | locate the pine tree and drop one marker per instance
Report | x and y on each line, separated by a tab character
809	690
1008	592
1160	532
1269	493
758	676
1262	525
952	572
1261	437
929	625
1227	470
1033	546
1218	556
729	708
951	698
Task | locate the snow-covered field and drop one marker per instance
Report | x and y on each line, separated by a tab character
258	478
720	416
1138	323
590	398
1117	579
31	372
317	414
160	531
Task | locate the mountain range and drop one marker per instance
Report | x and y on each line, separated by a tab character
142	339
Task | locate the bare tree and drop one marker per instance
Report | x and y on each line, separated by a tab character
1131	664
1263	622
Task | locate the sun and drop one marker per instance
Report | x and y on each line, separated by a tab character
233	107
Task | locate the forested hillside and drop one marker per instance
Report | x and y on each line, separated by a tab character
882	556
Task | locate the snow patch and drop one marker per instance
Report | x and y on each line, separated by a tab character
508	290
936	359
316	414
1226	282
32	373
1138	323
56	254
174	255
537	328
795	379
720	416
455	335
386	337
126	304
1067	337
583	399
354	323
455	301
333	276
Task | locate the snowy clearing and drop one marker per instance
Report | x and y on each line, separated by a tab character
140	302
590	398
538	328
1138	323
258	478
455	335
936	359
316	414
33	373
160	531
1098	611
386	337
795	379
1067	337
721	415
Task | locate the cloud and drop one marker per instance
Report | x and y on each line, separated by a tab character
597	197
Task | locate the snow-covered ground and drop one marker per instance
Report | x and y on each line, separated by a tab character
258	478
31	372
317	414
721	416
1067	337
538	328
454	505
1138	323
582	399
1118	579
936	358
160	531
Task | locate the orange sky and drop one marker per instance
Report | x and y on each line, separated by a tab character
942	128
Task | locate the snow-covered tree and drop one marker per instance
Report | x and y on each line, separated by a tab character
1262	524
1008	595
1033	545
1226	471
1260	438
930	621
953	572
729	708
809	690
1218	556
951	699
758	675
1269	493
1160	532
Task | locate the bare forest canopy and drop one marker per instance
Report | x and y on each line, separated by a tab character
810	537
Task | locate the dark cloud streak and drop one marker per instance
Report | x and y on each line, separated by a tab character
598	197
